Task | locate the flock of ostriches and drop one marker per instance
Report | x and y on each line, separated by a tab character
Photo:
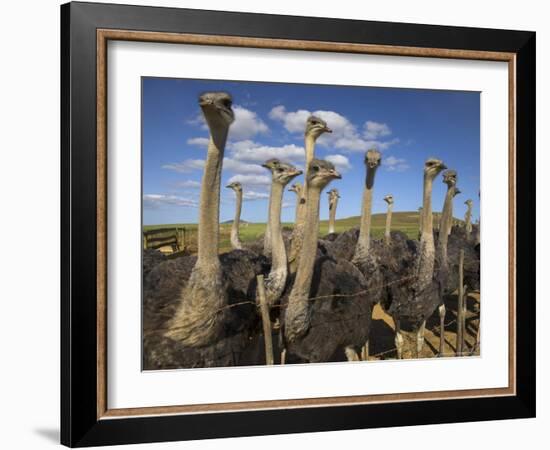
202	311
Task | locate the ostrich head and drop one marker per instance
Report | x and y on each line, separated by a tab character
456	191
333	194
389	199
432	167
281	172
373	158
321	173
315	127
296	187
216	108
236	186
469	203
450	178
271	164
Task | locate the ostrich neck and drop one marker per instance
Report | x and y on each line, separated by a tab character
304	275
297	211
446	216
297	235
363	243
310	154
277	244
208	235
427	249
236	222
469	214
427	219
388	219
332	214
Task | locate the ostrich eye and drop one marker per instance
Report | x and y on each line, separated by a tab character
227	102
280	170
315	168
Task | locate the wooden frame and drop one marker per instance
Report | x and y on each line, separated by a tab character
86	418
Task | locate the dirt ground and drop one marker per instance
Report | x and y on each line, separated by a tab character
382	345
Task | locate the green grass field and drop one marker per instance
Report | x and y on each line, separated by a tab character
405	221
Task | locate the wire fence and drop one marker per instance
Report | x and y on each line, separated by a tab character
431	290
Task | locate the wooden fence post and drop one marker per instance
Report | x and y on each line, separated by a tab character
264	309
460	307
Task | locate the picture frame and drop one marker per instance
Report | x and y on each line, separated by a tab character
86	418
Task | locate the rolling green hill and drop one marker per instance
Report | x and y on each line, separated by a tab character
405	221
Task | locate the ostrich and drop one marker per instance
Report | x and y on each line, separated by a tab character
450	179
333	196
389	200
414	293
297	189
201	316
235	239
275	282
315	127
325	310
373	159
468	216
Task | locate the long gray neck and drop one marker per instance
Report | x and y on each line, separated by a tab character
268	231
235	239
297	314
209	216
277	242
298	233
333	204
450	218
468	218
297	211
363	243
427	248
446	217
387	233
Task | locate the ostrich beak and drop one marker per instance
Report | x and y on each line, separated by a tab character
266	166
298	172
335	174
443	166
327	130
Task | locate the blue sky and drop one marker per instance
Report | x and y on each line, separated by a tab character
406	125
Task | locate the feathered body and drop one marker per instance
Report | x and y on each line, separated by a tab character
327	310
238	315
338	317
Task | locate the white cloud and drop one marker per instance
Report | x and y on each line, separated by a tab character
394	164
344	136
294	122
152	201
374	130
188	184
250	151
247	124
254	180
253	195
185	166
199	141
341	162
236	166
